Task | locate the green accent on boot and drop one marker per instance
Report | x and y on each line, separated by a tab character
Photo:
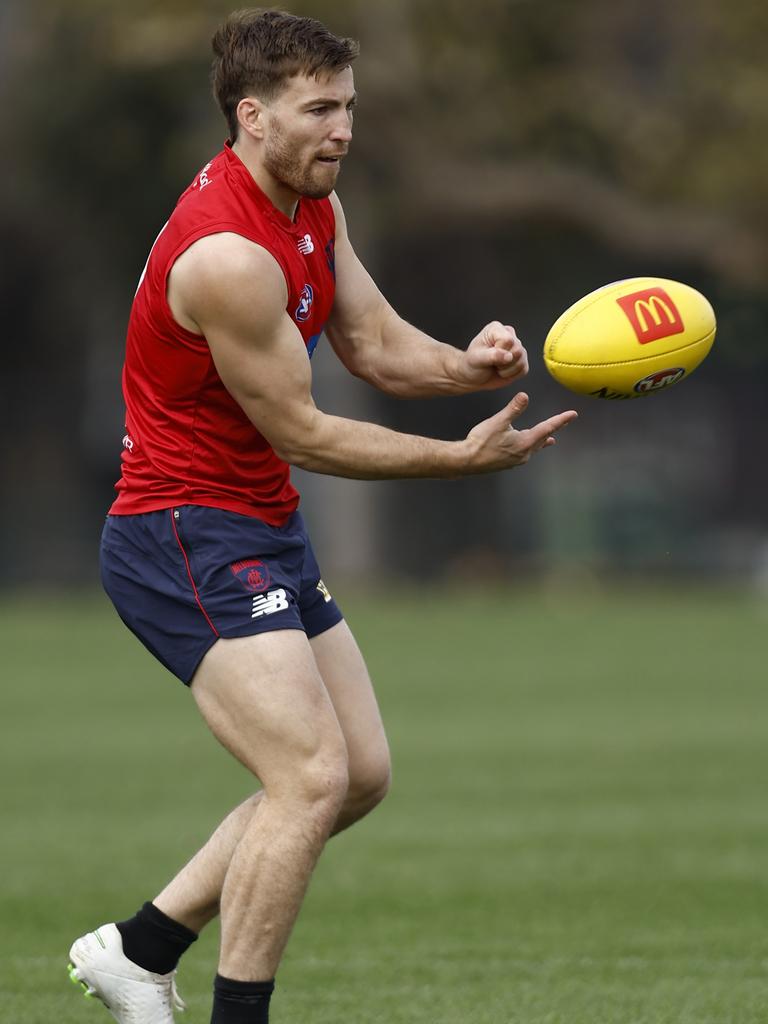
76	981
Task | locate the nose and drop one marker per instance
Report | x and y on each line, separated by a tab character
342	127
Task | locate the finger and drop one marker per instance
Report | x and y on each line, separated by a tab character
515	367
483	355
510	334
495	357
543	431
502	336
502	420
516	407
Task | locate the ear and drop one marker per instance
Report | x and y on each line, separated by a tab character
250	116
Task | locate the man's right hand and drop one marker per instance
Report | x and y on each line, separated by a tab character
494	444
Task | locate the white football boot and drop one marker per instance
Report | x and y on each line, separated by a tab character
131	994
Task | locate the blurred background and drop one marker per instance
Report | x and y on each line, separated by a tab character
509	156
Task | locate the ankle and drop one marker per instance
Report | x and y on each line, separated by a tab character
153	940
241	1002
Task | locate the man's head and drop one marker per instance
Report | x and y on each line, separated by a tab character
256	51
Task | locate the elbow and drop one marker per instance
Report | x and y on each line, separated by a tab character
376	373
291	451
357	361
360	352
297	446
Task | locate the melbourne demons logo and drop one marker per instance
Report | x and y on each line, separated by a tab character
304	307
252	573
653	314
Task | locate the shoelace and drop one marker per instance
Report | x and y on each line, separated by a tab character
178	1002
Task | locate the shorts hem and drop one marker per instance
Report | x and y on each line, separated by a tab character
237	634
187	677
315	629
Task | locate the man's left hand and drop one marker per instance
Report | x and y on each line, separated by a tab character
494	358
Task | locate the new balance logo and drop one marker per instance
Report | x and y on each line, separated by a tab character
306	245
268	604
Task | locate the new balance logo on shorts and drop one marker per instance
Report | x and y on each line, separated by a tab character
268	604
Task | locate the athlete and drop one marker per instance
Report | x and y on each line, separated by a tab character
204	552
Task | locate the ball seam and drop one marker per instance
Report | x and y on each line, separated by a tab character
639	359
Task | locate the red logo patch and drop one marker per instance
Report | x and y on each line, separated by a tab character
253	574
653	314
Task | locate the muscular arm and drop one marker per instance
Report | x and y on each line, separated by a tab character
376	344
233	292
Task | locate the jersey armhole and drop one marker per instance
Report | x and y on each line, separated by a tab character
332	215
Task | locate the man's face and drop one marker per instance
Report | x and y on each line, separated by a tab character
308	128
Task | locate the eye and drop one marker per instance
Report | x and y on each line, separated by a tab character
318	111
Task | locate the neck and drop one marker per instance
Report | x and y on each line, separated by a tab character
282	198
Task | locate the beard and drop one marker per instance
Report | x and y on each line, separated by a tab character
307	178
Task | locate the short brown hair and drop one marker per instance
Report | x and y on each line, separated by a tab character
256	50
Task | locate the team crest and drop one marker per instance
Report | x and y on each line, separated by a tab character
304	307
253	574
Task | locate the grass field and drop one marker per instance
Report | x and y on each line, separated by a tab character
577	834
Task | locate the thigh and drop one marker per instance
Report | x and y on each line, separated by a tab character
349	686
264	699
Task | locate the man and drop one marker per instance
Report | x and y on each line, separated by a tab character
204	553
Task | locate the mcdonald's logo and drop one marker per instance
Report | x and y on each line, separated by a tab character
653	314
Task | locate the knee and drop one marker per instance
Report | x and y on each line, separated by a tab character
368	785
321	785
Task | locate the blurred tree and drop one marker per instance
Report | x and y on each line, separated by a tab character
647	122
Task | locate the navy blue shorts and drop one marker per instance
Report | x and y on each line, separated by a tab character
182	577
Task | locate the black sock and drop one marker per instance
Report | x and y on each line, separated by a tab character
240	1002
153	940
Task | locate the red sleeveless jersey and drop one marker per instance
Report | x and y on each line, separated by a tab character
187	441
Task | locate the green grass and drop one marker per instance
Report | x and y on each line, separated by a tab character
577	832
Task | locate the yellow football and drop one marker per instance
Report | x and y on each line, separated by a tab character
630	338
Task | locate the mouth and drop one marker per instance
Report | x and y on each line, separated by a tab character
332	159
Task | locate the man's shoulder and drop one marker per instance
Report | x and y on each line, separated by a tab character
225	269
229	253
212	223
209	199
